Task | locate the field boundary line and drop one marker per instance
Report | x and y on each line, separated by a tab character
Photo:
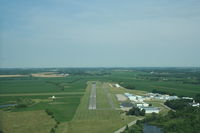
40	94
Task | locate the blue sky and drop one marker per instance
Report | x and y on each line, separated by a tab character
103	33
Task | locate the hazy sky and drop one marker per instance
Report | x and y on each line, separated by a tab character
109	33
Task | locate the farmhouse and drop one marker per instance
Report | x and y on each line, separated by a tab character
150	109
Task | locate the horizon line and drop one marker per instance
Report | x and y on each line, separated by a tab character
101	67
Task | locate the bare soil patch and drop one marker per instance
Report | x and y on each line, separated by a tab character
17	75
48	75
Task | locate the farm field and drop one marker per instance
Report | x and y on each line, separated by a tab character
142	80
40	91
41	85
26	122
63	107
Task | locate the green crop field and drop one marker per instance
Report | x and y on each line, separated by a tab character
40	91
42	85
145	81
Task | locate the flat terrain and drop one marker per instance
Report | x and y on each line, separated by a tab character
41	85
121	97
42	94
179	82
68	92
73	95
26	122
105	119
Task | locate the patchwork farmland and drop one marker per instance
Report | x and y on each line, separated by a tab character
86	101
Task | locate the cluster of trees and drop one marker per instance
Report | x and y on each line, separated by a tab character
181	103
197	98
136	111
195	82
71	71
86	71
12	71
49	113
128	86
163	92
24	102
178	104
184	75
186	119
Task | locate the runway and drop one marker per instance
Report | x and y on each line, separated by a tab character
92	101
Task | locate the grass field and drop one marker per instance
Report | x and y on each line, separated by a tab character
26	122
63	107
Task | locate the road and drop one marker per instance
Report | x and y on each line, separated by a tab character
92	102
129	124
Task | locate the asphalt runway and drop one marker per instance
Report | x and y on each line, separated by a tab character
92	102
